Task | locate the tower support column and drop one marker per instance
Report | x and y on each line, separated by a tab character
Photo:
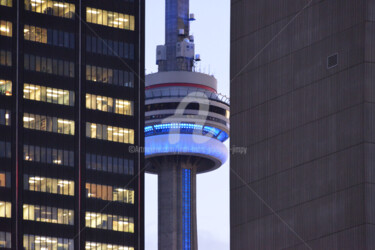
172	204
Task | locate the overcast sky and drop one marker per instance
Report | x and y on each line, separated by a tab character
211	32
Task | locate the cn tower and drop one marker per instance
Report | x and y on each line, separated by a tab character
187	122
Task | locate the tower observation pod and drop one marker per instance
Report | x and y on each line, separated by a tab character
187	123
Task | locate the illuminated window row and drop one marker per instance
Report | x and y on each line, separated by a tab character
105	246
48	155
110	76
49	65
49	185
36	242
5	209
52	8
5	58
48	214
109	133
110	19
109	193
109	104
109	47
7	3
5	117
5	87
109	164
5	240
47	94
5	179
5	28
49	124
5	149
110	222
49	36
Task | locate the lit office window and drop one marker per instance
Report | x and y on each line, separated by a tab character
5	58
110	76
109	193
49	185
105	246
5	179
49	65
47	94
37	242
109	104
5	209
110	222
48	155
5	149
49	36
48	214
49	124
107	163
109	133
52	8
110	19
5	28
7	3
5	117
5	87
5	240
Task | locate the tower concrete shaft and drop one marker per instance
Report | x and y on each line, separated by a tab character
176	205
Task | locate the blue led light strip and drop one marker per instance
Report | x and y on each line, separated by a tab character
186	128
186	209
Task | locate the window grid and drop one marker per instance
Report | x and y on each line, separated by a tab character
47	94
109	133
5	87
105	246
5	240
49	65
5	117
110	19
5	58
109	104
7	3
47	214
5	209
109	222
109	47
37	242
52	8
5	28
49	185
109	193
110	76
5	149
109	164
5	179
48	124
49	36
48	155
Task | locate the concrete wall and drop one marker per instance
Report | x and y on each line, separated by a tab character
309	130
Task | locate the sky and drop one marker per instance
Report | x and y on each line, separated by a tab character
211	31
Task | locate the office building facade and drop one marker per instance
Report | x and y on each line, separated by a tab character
71	105
302	103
